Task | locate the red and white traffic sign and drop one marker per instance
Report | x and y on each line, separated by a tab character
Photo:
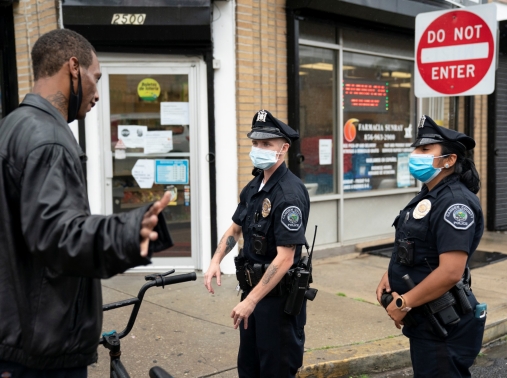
455	52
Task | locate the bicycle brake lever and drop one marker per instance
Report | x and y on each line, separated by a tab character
153	277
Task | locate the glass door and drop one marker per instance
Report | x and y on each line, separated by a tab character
149	118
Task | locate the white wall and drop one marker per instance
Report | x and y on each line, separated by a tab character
95	162
370	218
224	50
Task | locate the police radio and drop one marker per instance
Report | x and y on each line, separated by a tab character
300	284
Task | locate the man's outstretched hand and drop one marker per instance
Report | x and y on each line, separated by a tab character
150	221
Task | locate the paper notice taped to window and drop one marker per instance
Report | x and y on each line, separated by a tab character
158	142
144	173
132	136
325	151
174	113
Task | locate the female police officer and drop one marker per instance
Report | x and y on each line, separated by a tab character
436	234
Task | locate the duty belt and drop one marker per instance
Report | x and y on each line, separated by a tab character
249	275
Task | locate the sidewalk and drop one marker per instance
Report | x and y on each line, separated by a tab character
189	332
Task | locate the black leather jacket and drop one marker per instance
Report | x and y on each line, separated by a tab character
52	251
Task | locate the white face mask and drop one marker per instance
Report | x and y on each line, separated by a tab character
264	159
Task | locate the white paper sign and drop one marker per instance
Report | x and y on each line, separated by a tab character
132	136
174	113
158	142
144	173
325	151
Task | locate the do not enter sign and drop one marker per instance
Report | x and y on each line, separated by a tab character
455	52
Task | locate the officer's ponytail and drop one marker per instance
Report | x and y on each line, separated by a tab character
464	167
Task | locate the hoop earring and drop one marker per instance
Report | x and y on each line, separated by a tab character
446	165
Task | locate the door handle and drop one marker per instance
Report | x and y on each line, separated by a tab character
300	157
496	151
210	157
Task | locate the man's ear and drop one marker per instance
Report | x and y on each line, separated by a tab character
74	67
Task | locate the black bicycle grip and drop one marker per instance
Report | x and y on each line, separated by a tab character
158	372
170	280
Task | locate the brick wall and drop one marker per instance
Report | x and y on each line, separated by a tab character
32	18
261	58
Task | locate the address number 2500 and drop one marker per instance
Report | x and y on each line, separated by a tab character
128	18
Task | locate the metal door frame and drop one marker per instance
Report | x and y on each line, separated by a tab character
99	136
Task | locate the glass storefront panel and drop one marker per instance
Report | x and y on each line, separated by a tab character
378	116
318	32
448	112
378	42
149	117
317	78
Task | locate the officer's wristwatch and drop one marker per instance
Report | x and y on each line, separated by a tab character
401	304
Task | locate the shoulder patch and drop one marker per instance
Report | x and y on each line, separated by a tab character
292	218
459	216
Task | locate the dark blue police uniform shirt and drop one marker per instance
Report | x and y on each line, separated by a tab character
454	223
286	222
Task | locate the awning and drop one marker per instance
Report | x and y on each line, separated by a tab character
147	22
400	13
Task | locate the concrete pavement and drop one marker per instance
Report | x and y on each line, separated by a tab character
188	332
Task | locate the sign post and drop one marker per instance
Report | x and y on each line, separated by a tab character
456	52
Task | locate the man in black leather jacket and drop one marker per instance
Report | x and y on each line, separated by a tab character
52	251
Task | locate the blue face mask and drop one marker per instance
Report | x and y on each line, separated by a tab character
421	167
263	159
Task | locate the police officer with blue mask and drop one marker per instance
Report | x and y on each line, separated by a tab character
272	216
427	286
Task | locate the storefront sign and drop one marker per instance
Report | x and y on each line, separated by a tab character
128	18
365	96
376	156
148	89
171	171
455	52
143	172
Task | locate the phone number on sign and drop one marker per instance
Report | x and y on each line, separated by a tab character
379	137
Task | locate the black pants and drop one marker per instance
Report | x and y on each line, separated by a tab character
272	346
20	371
451	357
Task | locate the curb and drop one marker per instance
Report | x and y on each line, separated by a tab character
364	358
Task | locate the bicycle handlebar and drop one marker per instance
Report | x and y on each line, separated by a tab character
170	280
158	372
159	280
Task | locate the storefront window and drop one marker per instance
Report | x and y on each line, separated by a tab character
317	75
367	97
378	116
150	133
317	32
375	41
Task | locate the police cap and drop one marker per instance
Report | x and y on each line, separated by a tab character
428	132
265	126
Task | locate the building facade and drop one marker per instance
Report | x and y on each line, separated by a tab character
182	80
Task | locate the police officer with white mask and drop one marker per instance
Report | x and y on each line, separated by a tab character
272	216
